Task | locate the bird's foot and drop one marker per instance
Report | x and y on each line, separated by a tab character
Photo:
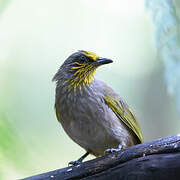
75	163
112	150
79	161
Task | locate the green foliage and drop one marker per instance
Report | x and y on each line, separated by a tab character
3	3
11	148
166	23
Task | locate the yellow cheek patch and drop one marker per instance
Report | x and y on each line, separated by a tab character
90	55
79	65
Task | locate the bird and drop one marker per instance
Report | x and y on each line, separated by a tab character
92	114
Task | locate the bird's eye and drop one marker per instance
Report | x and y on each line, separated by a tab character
83	59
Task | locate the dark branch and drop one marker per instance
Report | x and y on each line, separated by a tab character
158	159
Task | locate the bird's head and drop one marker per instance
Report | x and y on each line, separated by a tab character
79	68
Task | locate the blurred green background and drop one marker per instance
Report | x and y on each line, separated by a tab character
36	36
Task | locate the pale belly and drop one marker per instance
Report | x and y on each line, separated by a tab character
96	129
88	120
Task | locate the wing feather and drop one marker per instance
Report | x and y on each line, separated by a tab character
123	112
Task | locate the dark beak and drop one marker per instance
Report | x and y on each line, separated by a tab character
101	61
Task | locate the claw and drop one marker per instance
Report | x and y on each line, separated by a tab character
79	161
74	163
112	150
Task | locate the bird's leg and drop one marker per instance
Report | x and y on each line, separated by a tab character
112	150
79	161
